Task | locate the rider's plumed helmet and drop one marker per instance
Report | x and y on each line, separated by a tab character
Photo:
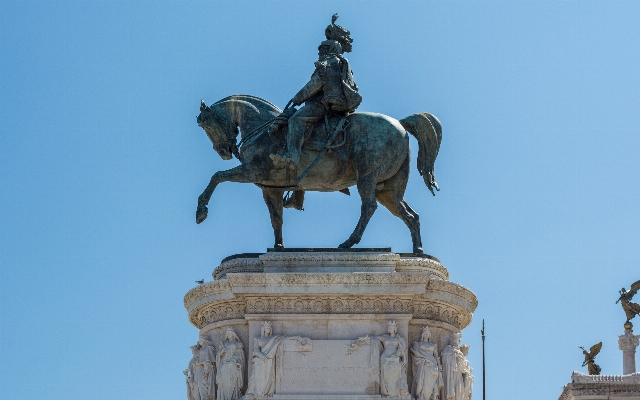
331	47
336	32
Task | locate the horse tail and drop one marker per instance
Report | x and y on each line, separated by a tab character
427	129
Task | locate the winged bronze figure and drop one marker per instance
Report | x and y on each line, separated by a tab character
631	309
590	358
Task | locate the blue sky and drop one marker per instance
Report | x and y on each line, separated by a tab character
101	163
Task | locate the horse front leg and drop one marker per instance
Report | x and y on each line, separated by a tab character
273	200
367	191
245	173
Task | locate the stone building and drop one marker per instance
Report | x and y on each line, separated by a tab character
609	387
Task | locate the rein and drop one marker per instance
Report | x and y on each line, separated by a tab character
247	141
231	141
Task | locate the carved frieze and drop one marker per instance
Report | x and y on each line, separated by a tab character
236	308
364	279
213	312
320	257
328	305
416	287
441	311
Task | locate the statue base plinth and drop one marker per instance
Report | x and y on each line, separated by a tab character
319	303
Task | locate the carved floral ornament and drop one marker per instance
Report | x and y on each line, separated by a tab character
213	312
628	341
199	293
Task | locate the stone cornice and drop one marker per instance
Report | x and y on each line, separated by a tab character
454	289
294	258
578	377
205	313
601	386
256	263
205	290
395	283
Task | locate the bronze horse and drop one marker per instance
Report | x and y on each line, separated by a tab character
377	160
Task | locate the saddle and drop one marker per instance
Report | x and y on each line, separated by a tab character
316	137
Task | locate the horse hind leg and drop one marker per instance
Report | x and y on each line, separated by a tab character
391	195
367	191
274	202
401	209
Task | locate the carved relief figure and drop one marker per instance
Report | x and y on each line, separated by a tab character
452	357
189	374
427	375
204	371
393	363
466	369
230	367
262	382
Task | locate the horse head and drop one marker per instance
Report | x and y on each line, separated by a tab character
220	129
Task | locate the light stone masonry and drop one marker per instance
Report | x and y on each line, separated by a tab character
329	325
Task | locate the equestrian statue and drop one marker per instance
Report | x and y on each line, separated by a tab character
323	146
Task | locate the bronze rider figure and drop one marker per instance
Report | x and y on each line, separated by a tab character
331	91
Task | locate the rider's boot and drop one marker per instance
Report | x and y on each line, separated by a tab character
291	158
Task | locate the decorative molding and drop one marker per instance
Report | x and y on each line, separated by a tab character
454	289
360	279
578	377
328	305
238	265
441	311
628	341
236	308
320	257
255	263
207	289
209	313
416	264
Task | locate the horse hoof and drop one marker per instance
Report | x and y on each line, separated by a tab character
201	214
347	244
418	251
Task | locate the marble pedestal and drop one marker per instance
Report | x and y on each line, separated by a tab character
332	298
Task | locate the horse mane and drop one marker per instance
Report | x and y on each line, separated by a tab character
227	111
260	103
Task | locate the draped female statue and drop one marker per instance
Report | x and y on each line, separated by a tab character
427	377
262	382
230	367
456	371
203	371
466	373
393	363
189	374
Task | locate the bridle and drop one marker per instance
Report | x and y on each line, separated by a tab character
229	139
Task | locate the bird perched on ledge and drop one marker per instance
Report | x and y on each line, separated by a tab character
631	309
200	282
590	358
